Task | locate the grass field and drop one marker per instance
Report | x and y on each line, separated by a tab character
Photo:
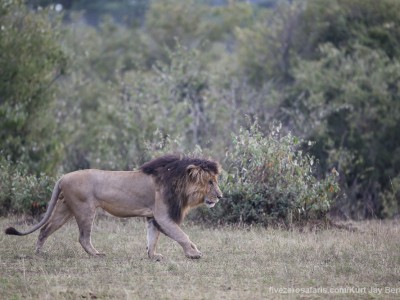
252	263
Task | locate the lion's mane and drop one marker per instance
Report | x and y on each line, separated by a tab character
171	172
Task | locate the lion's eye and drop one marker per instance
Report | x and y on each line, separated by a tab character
211	182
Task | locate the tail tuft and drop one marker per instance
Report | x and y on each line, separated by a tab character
12	231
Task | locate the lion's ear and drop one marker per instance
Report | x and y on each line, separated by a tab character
193	171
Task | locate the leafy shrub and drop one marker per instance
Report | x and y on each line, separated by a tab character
21	192
269	180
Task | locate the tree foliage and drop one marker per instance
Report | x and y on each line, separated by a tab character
353	116
31	60
345	24
193	72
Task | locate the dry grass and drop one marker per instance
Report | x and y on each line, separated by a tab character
237	264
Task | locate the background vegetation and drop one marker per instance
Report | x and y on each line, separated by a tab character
117	83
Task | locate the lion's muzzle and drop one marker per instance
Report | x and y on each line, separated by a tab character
211	202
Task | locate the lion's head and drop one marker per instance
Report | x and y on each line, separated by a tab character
186	182
202	186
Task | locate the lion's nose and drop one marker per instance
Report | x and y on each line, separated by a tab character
219	197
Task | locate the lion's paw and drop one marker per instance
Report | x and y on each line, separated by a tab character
157	257
193	254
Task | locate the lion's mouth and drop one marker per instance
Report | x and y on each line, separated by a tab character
209	203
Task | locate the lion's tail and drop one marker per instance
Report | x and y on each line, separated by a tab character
50	208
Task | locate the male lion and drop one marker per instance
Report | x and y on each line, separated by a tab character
163	191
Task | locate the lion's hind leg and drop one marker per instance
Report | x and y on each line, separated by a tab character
85	217
153	234
59	217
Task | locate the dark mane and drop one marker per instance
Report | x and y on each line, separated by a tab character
170	171
176	165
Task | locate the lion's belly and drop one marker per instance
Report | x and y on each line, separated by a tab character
124	203
128	212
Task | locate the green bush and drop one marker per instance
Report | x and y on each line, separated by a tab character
21	192
270	180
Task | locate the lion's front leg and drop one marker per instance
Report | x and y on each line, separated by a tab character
152	238
172	230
